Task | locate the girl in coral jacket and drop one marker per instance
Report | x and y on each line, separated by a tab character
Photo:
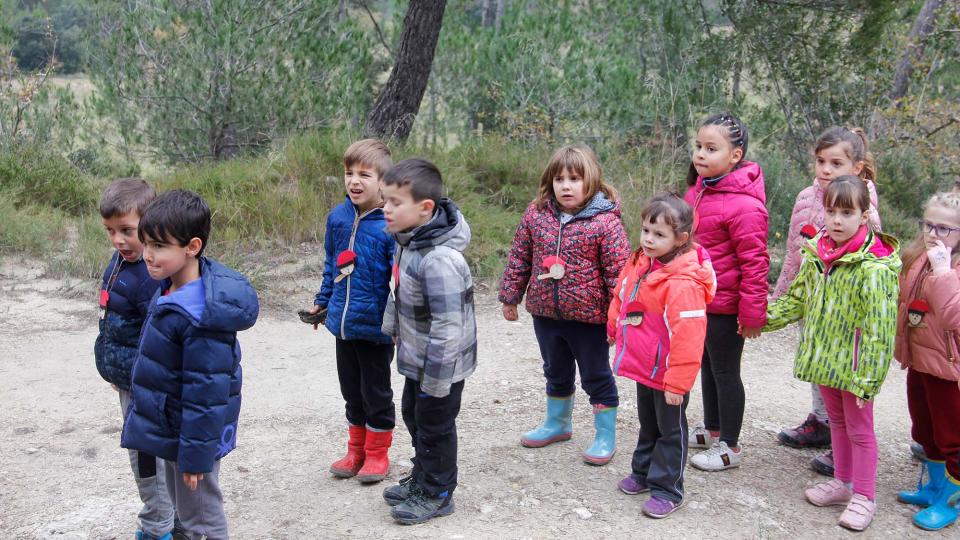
727	195
566	255
662	292
839	151
928	345
845	293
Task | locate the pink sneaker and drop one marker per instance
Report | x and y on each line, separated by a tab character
832	493
859	513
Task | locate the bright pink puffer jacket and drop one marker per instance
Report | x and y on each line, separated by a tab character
808	209
730	222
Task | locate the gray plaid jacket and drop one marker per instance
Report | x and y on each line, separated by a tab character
430	310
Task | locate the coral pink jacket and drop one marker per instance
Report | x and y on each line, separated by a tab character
933	347
731	224
808	210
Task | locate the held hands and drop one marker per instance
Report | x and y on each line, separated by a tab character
672	399
510	312
939	257
190	480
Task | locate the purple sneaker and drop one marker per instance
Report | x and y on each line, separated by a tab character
658	508
631	486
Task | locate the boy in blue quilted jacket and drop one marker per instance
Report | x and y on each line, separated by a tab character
186	378
353	294
125	293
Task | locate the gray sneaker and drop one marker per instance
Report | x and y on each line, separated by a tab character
420	507
398	493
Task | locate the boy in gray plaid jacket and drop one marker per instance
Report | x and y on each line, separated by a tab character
430	315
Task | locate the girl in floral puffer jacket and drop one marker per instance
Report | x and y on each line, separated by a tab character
839	151
566	255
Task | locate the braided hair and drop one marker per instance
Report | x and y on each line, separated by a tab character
736	133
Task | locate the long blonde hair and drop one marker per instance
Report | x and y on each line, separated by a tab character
580	159
917	247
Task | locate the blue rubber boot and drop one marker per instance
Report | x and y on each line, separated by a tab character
926	494
141	536
557	427
605	442
943	512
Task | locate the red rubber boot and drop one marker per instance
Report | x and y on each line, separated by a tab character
351	463
377	463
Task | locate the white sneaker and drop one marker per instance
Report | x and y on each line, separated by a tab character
719	457
700	438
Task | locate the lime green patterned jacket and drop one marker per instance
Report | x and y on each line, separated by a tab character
849	313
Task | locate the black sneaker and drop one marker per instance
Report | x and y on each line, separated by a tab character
398	493
420	507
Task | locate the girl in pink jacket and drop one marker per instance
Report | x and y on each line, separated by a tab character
727	195
838	152
566	256
928	345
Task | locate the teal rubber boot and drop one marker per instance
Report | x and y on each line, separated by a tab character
926	494
943	512
557	427
605	442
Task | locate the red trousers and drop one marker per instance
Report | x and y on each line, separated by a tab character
935	410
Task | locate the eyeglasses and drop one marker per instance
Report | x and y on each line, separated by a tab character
940	231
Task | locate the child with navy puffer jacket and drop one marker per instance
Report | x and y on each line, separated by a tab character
567	253
356	283
186	379
125	293
727	196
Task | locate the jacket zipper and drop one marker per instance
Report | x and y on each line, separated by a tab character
856	349
353	236
556	282
623	335
656	362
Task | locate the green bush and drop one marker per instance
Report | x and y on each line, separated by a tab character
35	176
30	229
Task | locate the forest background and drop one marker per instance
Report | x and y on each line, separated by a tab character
251	103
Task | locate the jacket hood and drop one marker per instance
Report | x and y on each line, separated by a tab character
746	179
597	205
878	247
447	227
222	299
694	265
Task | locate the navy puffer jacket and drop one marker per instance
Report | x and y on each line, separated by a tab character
130	294
186	379
356	303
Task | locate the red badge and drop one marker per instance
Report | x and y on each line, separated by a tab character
555	267
346	263
104	298
808	231
915	312
633	314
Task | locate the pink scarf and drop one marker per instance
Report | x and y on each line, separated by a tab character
829	252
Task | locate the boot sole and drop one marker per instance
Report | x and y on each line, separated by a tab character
598	461
445	511
661	516
370	478
540	443
340	473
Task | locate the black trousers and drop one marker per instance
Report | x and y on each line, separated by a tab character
432	423
661	452
363	368
723	396
567	345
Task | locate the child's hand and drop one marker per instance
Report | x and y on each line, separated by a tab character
749	332
510	312
610	340
861	402
939	257
115	387
190	480
313	311
671	398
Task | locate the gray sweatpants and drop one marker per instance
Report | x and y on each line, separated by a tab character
661	452
201	511
157	515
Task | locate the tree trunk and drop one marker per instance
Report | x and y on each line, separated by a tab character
397	105
492	13
922	27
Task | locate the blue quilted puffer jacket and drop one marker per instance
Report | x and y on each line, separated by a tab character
356	303
116	345
186	380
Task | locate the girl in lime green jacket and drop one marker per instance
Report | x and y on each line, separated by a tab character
846	293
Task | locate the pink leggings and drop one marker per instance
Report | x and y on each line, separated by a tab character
854	442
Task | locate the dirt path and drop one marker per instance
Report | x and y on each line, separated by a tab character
63	475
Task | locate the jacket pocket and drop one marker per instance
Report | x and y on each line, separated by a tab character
856	350
953	345
640	353
151	406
